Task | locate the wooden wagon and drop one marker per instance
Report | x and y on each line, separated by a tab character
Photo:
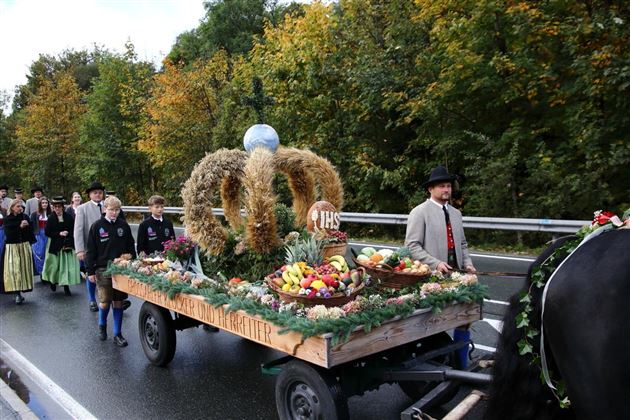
403	350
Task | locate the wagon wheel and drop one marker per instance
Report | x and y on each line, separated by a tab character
157	334
416	390
304	392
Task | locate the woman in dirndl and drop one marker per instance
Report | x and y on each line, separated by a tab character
61	266
17	258
39	219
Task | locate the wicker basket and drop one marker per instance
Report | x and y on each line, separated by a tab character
334	249
338	299
391	279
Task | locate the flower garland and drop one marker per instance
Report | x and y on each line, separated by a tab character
541	274
366	312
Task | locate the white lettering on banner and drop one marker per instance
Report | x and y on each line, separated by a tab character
327	219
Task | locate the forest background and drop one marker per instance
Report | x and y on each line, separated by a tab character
526	101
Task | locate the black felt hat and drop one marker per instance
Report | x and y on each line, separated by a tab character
438	174
58	199
37	188
95	186
18	190
4	187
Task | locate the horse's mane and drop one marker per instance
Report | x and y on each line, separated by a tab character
516	392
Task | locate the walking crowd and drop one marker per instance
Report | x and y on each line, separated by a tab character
63	243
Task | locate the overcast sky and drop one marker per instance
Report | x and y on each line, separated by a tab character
32	27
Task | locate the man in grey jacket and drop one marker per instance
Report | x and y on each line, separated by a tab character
33	202
86	214
435	232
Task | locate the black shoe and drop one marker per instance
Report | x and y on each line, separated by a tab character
126	304
120	341
53	287
93	307
102	332
66	290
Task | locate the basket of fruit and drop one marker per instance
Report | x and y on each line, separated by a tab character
394	269
317	291
309	278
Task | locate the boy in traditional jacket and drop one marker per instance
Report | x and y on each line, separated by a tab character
109	238
155	230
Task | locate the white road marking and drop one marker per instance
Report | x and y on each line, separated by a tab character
495	323
486	348
69	404
502	257
497	302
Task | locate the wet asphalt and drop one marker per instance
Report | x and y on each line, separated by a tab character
214	375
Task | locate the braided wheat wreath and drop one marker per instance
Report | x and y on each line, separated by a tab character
306	172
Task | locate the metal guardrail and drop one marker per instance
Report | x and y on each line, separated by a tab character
470	222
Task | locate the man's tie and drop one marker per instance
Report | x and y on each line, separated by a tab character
450	243
100	208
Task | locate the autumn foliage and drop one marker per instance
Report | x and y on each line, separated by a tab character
527	101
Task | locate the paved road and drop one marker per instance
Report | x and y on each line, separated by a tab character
213	375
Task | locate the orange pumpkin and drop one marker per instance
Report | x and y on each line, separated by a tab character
376	257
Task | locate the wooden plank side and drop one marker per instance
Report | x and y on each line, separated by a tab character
403	331
314	349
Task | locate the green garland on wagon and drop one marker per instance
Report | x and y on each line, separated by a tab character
375	311
541	274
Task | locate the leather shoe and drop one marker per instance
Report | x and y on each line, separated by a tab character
66	290
102	332
53	287
126	304
120	341
93	307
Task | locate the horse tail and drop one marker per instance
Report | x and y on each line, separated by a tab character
516	391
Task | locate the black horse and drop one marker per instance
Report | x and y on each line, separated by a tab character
587	339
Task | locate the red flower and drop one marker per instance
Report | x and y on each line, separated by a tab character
603	217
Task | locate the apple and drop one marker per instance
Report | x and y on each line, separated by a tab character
305	282
327	279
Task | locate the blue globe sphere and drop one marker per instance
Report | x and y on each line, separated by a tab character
261	135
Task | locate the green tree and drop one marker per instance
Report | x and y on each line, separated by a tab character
111	128
81	64
8	173
187	119
47	141
230	25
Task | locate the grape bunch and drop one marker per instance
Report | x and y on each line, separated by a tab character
326	269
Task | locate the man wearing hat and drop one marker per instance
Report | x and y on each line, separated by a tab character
435	231
5	201
32	203
86	214
18	196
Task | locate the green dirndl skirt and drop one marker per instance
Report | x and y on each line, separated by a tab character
18	268
62	269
